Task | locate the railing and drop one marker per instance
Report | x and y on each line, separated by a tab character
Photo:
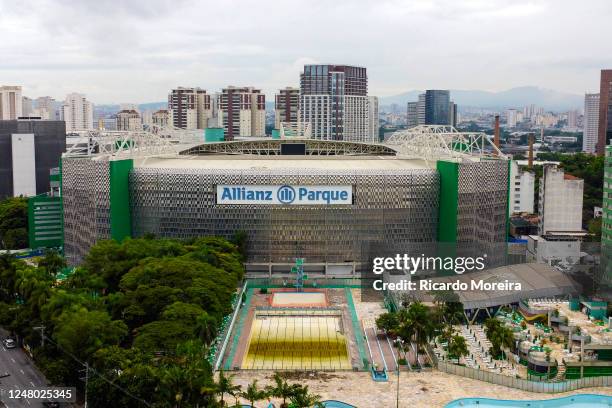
228	330
525	385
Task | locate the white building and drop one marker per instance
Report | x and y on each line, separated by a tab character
511	118
560	206
421	109
572	119
373	120
129	119
590	122
46	108
77	112
522	190
27	107
11	104
552	251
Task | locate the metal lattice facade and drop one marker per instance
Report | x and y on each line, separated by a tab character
397	208
482	208
86	200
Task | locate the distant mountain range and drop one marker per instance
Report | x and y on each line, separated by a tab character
511	98
114	108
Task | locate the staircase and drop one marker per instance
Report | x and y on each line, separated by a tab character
560	373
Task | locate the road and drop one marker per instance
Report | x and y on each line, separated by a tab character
22	374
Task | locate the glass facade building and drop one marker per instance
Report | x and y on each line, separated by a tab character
437	107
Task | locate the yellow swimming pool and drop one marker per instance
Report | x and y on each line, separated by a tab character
297	342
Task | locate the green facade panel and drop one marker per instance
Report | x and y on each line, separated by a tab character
120	218
449	201
214	134
45	222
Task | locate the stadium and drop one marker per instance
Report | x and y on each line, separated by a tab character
334	203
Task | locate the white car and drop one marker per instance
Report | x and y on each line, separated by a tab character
9	343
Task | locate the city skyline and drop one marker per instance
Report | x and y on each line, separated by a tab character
151	49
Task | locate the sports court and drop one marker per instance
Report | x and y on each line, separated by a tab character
299	299
297	340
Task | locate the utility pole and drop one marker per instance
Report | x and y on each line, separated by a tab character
86	379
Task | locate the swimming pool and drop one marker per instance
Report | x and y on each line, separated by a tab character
573	401
336	404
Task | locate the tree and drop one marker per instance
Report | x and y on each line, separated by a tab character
53	262
499	335
301	398
281	389
457	346
253	393
225	386
14	223
388	322
417	325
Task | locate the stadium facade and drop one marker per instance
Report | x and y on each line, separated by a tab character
335	203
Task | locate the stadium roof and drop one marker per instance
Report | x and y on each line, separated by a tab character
238	162
537	281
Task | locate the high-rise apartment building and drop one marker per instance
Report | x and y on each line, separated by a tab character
437	107
421	109
590	123
605	111
129	119
242	111
46	108
287	106
572	119
452	114
77	112
334	100
10	102
190	108
412	118
560	202
606	221
27	107
522	189
161	118
373	118
511	118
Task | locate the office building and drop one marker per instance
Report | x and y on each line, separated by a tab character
373	119
421	109
605	111
77	112
412	118
129	119
522	190
560	202
190	108
590	123
287	107
29	149
10	102
334	100
242	111
437	107
452	111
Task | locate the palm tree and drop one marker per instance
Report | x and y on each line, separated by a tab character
417	325
281	389
225	386
253	393
303	399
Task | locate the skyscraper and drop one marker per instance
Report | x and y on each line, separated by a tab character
10	102
412	118
287	106
243	112
334	100
77	112
373	120
605	111
190	108
421	109
437	107
452	114
590	123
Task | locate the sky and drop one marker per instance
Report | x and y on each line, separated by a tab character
136	51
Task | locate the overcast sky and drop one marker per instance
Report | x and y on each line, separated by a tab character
135	51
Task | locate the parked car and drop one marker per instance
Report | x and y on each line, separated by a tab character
9	343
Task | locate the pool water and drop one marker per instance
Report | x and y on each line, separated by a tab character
336	404
574	401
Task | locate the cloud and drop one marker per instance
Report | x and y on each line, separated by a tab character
129	50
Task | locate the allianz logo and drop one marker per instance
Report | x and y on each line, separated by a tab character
285	194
